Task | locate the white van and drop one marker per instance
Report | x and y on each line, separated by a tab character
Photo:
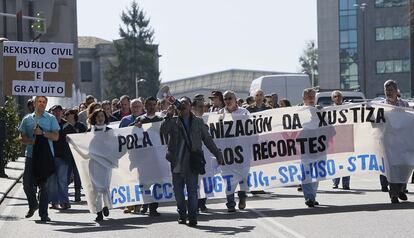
324	98
288	86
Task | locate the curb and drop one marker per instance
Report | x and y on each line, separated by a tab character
12	166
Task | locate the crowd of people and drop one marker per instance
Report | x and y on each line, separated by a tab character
187	132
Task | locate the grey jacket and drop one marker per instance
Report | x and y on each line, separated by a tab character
177	151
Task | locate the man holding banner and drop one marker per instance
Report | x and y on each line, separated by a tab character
399	175
185	136
232	107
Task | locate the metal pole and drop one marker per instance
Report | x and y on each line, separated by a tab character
19	19
364	51
136	87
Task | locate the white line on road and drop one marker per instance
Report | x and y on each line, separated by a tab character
277	224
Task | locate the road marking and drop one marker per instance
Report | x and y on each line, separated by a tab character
277	224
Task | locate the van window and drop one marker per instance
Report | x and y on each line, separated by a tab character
326	101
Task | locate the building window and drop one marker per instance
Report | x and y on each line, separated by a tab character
393	66
392	33
86	71
390	3
348	43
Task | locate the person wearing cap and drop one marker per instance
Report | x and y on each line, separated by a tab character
216	101
199	97
230	102
58	182
73	126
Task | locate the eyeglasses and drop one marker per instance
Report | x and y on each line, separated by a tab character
230	98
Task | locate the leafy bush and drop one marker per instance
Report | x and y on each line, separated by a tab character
12	146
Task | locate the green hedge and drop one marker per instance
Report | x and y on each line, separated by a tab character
12	147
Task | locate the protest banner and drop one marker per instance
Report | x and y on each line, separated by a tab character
279	147
33	68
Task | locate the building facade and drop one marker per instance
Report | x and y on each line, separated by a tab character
238	80
61	26
95	57
363	43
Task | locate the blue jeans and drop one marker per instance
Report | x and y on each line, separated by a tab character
230	198
190	181
58	183
309	190
345	181
76	178
29	187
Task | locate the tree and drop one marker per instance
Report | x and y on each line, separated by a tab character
309	62
137	57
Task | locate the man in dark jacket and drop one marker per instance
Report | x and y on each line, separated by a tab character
186	134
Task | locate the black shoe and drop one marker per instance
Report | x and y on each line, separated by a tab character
346	188
231	209
258	192
394	200
154	214
405	191
45	219
384	189
31	212
242	204
192	223
182	221
203	208
402	196
99	216
105	211
316	203
144	210
310	203
335	186
300	188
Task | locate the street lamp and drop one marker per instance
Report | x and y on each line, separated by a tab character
137	82
362	6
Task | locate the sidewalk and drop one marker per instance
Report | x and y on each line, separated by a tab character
14	170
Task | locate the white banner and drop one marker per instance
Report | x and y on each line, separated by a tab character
274	148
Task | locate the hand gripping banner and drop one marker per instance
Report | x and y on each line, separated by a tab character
274	148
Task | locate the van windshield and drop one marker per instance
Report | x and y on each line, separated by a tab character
326	101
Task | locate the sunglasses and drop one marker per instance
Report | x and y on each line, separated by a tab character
230	98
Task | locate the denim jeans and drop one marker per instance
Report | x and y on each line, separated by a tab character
309	190
190	181
76	178
58	183
29	187
345	181
230	198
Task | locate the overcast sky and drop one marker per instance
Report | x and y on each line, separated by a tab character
199	37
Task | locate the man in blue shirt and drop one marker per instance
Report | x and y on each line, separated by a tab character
39	123
137	109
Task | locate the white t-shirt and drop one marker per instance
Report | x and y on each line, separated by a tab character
238	111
